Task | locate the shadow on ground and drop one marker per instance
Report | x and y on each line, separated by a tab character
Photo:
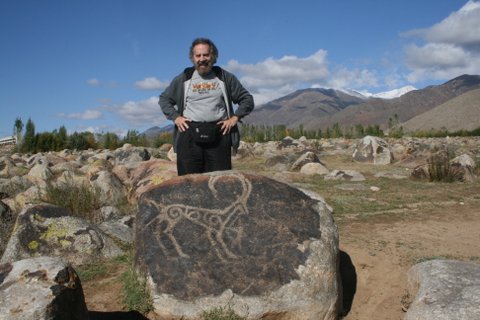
130	315
348	277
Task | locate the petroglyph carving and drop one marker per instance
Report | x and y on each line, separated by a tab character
217	223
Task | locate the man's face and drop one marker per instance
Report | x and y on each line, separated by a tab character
202	59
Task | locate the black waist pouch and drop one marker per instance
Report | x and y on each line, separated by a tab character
204	132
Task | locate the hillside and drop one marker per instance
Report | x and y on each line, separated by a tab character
293	109
320	108
462	112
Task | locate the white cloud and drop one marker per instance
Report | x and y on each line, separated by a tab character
355	78
273	78
140	113
459	28
151	83
451	48
93	82
272	73
88	114
120	132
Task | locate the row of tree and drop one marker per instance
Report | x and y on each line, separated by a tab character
30	141
56	140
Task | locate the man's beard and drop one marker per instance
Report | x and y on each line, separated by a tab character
204	67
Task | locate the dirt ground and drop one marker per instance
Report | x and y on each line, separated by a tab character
376	254
382	251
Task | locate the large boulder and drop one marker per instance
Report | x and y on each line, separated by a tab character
445	289
150	173
306	157
226	238
313	168
372	150
7	167
41	288
46	230
39	174
109	187
127	153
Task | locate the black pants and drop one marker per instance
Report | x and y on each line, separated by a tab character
199	158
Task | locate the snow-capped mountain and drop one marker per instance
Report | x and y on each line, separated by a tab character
395	93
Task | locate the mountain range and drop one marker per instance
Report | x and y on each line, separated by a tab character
321	108
453	105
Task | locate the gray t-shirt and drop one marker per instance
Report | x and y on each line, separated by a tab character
205	100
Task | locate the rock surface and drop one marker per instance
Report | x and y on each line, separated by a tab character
447	289
41	288
263	247
372	150
46	230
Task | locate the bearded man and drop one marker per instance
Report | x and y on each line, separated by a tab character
200	102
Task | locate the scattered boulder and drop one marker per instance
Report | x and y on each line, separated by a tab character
40	173
110	188
465	166
314	168
41	288
224	238
46	230
171	155
464	160
440	167
278	163
307	157
445	289
372	150
150	173
349	175
121	230
7	167
127	153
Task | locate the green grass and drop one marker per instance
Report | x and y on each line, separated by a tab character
221	313
92	271
136	293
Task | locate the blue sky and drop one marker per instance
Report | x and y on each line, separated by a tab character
100	65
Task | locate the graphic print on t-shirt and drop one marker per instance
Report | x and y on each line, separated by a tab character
204	87
204	100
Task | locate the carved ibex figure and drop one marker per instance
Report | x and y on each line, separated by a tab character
215	221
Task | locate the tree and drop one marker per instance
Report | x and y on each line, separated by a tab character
17	132
29	143
110	141
336	131
62	139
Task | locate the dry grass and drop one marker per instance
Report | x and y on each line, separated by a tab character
395	196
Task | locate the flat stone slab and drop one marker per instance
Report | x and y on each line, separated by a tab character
447	289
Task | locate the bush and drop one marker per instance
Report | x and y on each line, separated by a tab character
81	200
440	169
